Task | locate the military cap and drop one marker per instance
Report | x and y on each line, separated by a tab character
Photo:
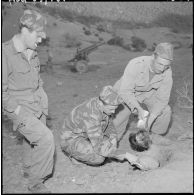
164	50
34	20
109	96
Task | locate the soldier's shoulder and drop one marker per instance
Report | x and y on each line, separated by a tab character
141	60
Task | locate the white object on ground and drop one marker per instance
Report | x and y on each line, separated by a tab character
142	123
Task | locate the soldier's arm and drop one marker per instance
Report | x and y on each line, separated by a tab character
127	87
9	104
102	145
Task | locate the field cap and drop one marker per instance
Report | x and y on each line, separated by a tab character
109	96
35	21
164	50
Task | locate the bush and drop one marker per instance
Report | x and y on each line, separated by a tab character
96	34
185	95
86	31
101	28
127	47
71	40
176	22
116	41
138	44
100	39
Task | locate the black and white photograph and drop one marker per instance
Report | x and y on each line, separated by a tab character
97	96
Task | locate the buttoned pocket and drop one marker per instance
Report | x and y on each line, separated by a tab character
22	78
22	68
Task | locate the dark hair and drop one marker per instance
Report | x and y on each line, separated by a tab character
140	140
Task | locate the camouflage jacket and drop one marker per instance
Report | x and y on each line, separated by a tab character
88	120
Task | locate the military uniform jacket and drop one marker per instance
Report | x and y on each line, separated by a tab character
22	84
136	87
89	121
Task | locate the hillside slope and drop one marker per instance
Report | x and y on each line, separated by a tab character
138	11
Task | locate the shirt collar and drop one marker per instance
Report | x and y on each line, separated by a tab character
19	49
18	45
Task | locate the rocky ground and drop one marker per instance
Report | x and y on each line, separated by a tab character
66	89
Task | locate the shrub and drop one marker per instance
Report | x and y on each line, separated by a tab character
116	41
101	28
96	34
87	32
177	22
100	39
71	40
138	44
127	47
185	95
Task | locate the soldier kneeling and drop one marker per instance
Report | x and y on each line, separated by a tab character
89	135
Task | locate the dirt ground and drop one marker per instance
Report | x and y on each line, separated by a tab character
67	89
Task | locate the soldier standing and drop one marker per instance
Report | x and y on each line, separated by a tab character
25	101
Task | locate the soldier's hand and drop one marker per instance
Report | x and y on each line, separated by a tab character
134	160
142	114
131	157
17	110
108	147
